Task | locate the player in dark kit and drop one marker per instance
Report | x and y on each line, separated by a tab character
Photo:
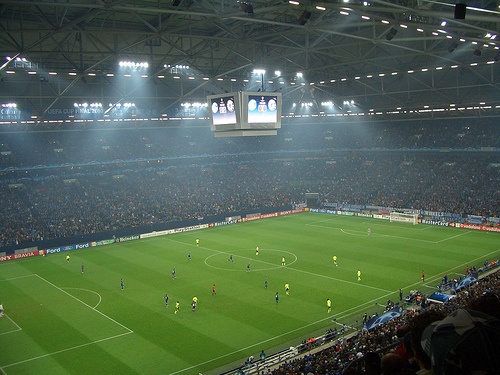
277	297
166	300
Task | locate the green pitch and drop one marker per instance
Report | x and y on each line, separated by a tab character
61	321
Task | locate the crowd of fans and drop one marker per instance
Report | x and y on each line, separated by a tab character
397	341
28	149
63	184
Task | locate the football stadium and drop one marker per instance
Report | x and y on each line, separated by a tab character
249	187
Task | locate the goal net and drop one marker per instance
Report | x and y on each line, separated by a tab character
404	218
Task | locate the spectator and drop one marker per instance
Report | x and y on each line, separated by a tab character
465	342
372	364
417	326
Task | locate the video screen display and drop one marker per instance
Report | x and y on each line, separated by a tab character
244	111
224	110
262	109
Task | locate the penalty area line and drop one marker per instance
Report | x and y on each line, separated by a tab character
452	237
86	304
14	330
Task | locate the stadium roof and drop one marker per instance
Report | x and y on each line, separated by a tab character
354	55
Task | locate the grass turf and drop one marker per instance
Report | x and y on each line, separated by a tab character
60	320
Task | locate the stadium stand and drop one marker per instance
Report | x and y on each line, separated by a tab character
63	184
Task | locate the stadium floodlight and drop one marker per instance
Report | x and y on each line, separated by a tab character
259	71
194	105
9	105
133	64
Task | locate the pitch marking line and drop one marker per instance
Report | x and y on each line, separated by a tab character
340	280
14	330
382	235
83	303
67	349
273	265
452	237
91	291
8	317
388	235
400	237
19	277
228	253
323	221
